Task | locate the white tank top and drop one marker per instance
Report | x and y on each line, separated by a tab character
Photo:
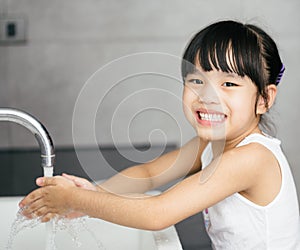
236	223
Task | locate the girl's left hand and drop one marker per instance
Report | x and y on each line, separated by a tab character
49	200
80	182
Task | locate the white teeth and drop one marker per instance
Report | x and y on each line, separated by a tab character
212	117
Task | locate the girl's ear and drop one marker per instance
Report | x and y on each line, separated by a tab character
262	106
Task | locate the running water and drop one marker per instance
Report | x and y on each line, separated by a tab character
73	227
50	226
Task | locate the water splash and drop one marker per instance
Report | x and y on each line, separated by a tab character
73	227
19	224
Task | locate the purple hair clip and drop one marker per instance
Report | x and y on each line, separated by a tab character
278	79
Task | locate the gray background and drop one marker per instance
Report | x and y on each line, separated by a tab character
67	41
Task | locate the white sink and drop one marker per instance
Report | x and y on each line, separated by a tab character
113	237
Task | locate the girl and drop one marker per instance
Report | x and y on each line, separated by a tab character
237	174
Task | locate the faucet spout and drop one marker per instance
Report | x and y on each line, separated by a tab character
38	130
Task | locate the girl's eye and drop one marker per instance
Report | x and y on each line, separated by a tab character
229	84
195	81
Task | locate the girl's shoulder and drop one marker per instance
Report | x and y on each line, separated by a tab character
264	168
246	167
254	149
257	152
261	150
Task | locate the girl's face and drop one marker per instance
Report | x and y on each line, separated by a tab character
220	105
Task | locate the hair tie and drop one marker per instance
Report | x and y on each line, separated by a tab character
278	79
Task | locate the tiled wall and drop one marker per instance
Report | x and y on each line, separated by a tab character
69	40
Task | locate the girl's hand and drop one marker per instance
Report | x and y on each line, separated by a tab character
80	182
50	200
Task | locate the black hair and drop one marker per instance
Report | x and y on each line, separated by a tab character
234	47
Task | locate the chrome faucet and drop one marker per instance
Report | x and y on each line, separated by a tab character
39	131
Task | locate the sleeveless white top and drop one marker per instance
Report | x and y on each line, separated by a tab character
236	223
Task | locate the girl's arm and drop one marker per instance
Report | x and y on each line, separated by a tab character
141	178
237	171
171	166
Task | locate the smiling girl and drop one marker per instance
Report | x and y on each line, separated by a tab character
236	174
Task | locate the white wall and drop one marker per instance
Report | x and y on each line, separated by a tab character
69	40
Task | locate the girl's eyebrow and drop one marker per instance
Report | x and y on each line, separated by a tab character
233	75
195	72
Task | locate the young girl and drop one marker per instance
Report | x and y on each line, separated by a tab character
236	174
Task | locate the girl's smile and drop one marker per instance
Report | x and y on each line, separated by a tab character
209	117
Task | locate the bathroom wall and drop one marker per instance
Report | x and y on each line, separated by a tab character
67	41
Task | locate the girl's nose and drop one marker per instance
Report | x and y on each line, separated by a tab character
208	94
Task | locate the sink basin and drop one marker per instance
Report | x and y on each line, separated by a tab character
113	237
